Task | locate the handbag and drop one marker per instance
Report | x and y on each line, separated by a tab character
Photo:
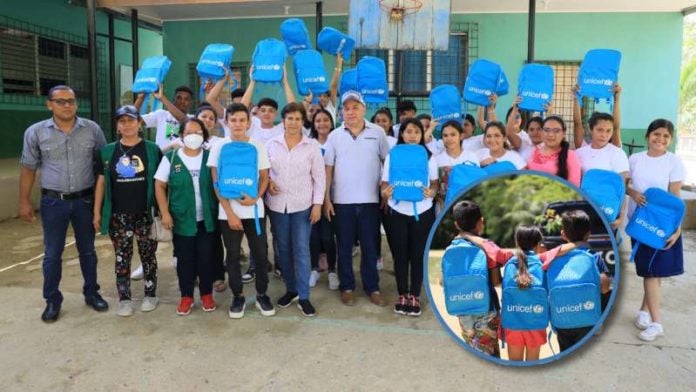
157	230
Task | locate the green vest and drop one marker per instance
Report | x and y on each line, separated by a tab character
106	154
182	198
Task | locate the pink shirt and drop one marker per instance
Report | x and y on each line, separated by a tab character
299	174
549	164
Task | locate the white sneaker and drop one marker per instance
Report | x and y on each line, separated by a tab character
333	281
356	249
313	277
380	264
137	274
149	304
654	330
643	319
174	262
125	308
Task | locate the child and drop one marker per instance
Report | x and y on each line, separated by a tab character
579	127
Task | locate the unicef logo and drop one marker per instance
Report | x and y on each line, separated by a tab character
538	309
544	96
589	305
276	67
248	182
418	183
607	82
660	233
608	210
478	295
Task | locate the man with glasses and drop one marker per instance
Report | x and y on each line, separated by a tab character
63	149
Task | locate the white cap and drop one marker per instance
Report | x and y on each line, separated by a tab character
352	95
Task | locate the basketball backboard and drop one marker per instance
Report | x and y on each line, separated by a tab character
400	24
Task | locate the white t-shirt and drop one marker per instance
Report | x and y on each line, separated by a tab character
405	207
526	147
445	162
473	143
608	157
167	127
510	156
653	172
193	165
242	212
332	110
392	141
263	135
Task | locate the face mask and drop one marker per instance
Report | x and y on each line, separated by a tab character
193	141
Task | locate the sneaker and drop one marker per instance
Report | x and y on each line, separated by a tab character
643	319
287	299
414	308
185	306
313	277
380	264
149	304
125	308
306	308
237	307
174	259
401	305
333	281
138	274
208	303
654	330
249	276
264	305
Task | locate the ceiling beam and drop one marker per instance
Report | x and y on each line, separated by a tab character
141	3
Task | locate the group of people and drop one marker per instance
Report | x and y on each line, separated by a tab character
323	180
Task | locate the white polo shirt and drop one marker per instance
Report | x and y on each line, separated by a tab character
608	157
357	163
510	156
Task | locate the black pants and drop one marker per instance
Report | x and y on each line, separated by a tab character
407	238
218	256
569	336
194	260
323	238
259	251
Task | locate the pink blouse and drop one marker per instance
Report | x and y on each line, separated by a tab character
549	164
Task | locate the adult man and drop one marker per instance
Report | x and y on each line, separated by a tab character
63	148
353	157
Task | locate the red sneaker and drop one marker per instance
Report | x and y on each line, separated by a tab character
185	306
208	303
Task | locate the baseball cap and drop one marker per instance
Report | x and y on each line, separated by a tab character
128	110
352	95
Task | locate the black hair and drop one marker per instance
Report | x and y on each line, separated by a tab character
576	225
454	124
565	146
599	116
466	215
384	110
59	87
185	89
526	239
268	102
468	117
236	107
203	107
424	116
660	123
418	125
294	107
403	106
237	93
523	116
182	127
313	133
536	119
501	127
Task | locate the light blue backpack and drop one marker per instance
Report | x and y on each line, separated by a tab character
238	173
499	167
484	79
460	177
446	103
606	189
349	81
535	87
408	172
334	42
309	72
214	61
527	308
465	279
268	60
372	80
149	77
598	73
295	35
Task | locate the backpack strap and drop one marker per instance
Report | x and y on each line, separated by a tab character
256	219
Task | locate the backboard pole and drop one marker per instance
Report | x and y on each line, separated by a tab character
530	31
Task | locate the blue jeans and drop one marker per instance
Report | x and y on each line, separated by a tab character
361	221
292	233
56	214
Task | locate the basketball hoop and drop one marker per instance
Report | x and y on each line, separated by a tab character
398	9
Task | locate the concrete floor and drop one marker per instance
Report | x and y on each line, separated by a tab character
343	348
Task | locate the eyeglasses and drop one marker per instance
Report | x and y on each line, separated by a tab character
64	102
553	130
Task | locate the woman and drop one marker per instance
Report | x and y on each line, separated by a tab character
187	201
294	199
123	200
384	118
407	233
655	168
322	236
554	156
453	154
496	150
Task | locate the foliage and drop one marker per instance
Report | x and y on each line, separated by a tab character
687	80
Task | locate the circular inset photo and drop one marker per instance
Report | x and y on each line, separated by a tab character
521	268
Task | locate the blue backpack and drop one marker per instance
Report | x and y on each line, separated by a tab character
483	80
149	76
460	177
499	167
598	73
309	72
574	290
527	308
446	103
503	84
535	87
335	42
465	279
372	80
408	172
349	81
238	173
295	35
606	189
215	59
268	60
654	223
